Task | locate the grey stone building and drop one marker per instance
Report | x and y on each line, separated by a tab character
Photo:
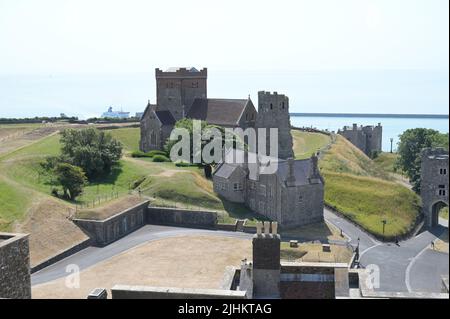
182	93
15	280
434	183
156	128
292	195
367	138
273	111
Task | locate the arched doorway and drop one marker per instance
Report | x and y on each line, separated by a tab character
436	209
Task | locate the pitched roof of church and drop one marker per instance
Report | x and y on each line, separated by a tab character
226	112
165	117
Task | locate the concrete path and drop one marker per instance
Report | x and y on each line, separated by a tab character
407	267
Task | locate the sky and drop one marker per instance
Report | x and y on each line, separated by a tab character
352	54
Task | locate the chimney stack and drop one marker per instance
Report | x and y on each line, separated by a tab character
290	179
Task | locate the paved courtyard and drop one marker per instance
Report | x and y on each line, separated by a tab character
185	262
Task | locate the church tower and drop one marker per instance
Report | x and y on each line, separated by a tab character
273	112
177	88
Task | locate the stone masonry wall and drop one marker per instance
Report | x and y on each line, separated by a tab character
104	232
181	217
15	282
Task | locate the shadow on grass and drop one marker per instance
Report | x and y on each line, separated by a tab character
240	211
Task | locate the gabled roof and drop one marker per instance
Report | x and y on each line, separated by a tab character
165	117
302	169
224	112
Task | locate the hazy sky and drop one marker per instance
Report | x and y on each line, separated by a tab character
50	37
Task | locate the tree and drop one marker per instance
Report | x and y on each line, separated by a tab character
96	152
410	146
188	124
71	178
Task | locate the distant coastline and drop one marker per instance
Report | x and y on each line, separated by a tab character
372	115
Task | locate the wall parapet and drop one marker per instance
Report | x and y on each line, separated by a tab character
104	232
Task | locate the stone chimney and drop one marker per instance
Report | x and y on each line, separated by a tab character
266	261
290	178
314	175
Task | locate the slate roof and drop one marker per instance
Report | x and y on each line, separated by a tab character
165	117
302	169
224	112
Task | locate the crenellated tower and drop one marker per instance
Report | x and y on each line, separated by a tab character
273	112
177	88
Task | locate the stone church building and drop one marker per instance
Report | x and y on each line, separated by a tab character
292	195
182	93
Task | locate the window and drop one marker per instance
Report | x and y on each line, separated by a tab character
237	186
443	171
195	84
282	105
271	106
300	199
442	190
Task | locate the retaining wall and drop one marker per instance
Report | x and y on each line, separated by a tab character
104	232
181	217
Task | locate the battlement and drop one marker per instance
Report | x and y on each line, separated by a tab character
366	128
437	153
262	94
183	72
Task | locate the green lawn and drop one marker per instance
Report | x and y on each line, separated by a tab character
13	204
305	143
129	137
365	192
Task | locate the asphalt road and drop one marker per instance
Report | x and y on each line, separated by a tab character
410	266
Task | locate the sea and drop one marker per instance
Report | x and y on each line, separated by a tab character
393	127
349	91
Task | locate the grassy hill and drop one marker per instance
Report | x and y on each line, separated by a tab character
305	143
366	192
357	186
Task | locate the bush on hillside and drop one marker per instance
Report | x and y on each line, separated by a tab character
140	154
160	158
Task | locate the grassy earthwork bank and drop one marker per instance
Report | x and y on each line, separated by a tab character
365	191
360	188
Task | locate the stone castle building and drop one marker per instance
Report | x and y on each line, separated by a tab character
434	183
182	93
367	138
292	195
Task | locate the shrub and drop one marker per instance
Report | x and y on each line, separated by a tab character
96	152
156	152
138	154
160	158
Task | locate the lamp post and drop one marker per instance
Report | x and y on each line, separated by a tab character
392	140
384	221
